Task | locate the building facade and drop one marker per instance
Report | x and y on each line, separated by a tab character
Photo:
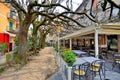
107	29
7	23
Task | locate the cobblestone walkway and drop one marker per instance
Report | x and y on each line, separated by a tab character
39	68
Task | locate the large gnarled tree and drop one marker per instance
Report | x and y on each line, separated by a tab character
28	11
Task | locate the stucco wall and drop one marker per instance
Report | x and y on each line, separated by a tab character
4	9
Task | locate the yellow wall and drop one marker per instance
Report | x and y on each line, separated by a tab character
4	21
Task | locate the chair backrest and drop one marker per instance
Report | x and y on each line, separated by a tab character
83	67
98	64
114	53
117	58
101	56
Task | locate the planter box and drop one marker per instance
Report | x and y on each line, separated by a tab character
6	58
2	59
69	64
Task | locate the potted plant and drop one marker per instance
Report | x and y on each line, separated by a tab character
3	47
69	57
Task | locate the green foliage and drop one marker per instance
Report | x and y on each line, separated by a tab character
3	47
55	47
47	44
15	52
69	57
38	45
30	43
16	41
8	57
18	59
61	52
2	68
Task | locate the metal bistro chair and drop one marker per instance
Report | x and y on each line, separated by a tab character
91	53
116	61
103	51
80	71
96	66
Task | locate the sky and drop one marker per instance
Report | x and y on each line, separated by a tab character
75	4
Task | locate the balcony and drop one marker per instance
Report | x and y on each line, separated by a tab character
9	29
12	30
11	16
2	0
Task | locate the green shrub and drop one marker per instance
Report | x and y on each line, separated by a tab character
3	47
69	57
18	59
2	68
38	45
47	44
30	43
8	57
55	47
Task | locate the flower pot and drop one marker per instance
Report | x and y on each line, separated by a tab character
69	64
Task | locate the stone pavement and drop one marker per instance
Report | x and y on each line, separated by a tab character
110	75
40	67
57	76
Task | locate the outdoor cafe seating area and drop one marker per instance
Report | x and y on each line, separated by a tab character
93	60
97	66
87	66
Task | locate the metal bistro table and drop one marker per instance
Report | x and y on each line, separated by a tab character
77	65
79	61
79	52
92	59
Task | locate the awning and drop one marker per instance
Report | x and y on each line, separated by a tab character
11	34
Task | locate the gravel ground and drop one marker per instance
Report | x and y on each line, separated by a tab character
40	67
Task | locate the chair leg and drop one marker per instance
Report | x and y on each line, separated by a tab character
100	76
103	72
95	74
92	75
73	76
107	55
113	65
119	67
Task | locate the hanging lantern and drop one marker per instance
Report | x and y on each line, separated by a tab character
59	28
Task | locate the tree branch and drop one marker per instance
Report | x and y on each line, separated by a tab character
17	6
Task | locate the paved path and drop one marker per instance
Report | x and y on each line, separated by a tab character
39	68
57	76
43	65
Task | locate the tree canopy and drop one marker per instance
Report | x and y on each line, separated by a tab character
45	13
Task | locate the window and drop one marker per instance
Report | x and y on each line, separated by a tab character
11	13
10	26
112	42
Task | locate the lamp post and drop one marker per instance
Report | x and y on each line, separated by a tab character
58	30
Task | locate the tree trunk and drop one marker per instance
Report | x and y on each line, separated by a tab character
42	41
35	43
22	44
